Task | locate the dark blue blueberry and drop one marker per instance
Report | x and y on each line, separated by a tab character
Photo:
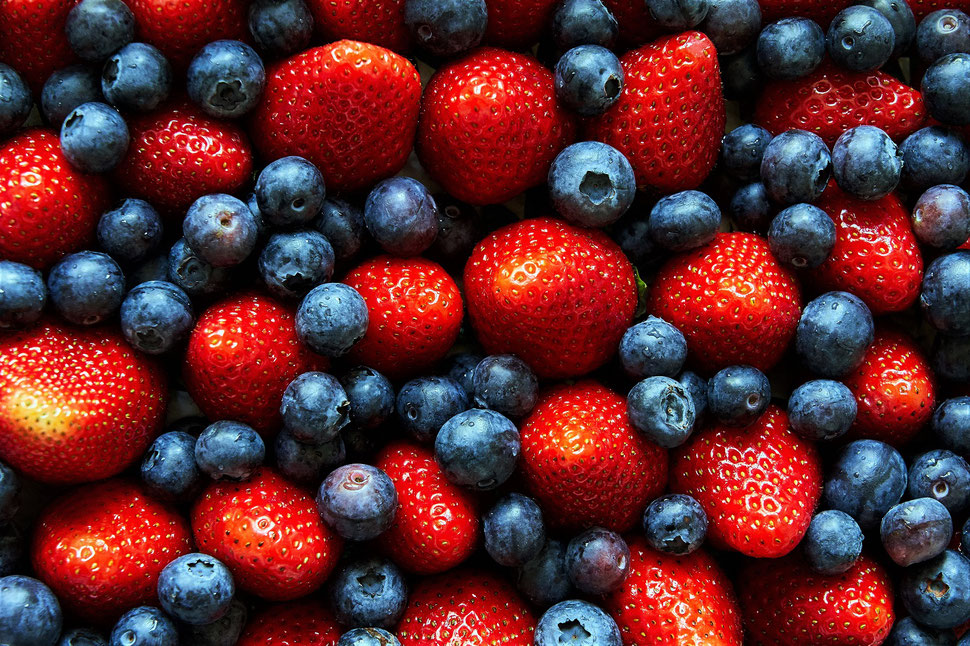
934	156
860	38
651	348
169	470
358	501
833	334
460	227
506	384
68	88
663	410
951	424
943	32
13	549
130	232
801	236
741	75
446	27
582	22
94	138
371	397
144	626
900	16
290	191
22	295
944	476
154	268
868	478
742	150
945	296
193	274
137	77
790	48
678	15
196	589
684	221
98	28
732	25
29	612
822	409
597	561
578	623
343	225
9	493
951	357
402	216
368	637
461	368
833	542
544	580
907	632
941	217
308	463
226	79
293	263
591	184
315	407
514	530
936	593
257	215
696	387
331	319
632	234
588	79
220	229
156	316
369	592
86	287
424	404
82	637
946	91
738	395
280	27
15	100
796	167
228	450
222	632
675	523
478	448
866	163
750	208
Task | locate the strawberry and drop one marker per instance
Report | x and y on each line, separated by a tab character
669	121
76	405
785	603
180	28
414	309
101	547
379	22
269	534
821	11
876	256
923	7
242	354
34	42
436	524
178	154
585	463
466	608
669	599
47	209
831	100
303	623
349	107
633	18
893	388
516	24
731	299
491	125
558	296
758	485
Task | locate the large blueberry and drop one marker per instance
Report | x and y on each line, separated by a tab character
446	27
220	229
423	405
675	523
790	48
663	410
196	589
588	79
478	449
833	542
23	295
591	184
358	501
578	623
137	77
796	167
544	580
130	232
226	78
331	319
866	163
97	28
280	27
29	612
506	384
833	334
156	316
916	530
86	287
169	469
936	593
514	530
402	216
144	626
228	450
822	409
597	561
801	236
867	479
369	592
290	191
15	100
315	407
684	221
945	297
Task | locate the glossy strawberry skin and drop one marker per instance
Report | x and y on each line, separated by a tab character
180	28
47	208
759	485
515	24
34	42
670	118
349	107
301	623
58	428
732	300
634	21
414	310
585	463
101	548
557	296
923	7
821	11
491	125
436	524
380	22
269	534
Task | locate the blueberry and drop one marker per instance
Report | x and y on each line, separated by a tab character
579	623
741	75
402	216
358	501
290	191
196	589
369	592
228	450
833	334
946	91
591	184
220	229
94	138
137	77
13	550
941	475
461	368
860	38
907	632
796	167
460	227
425	404
308	463
68	88
514	530
371	397
98	28
675	524
193	274
331	319
866	163
446	27
86	287
222	632
82	637
15	100
368	637
29	612
951	424
868	478
945	296
916	530
343	226
632	234
293	263
802	236
478	449
315	407
742	150
936	593
253	207
684	221
22	295
750	208
131	232
934	156
582	22
663	410
9	493
652	348
597	561
833	542
156	316
226	79
588	79
144	626
544	580
790	48
943	32
951	357
732	25
696	387
280	27
738	395
941	217
900	16
821	410
169	470
505	384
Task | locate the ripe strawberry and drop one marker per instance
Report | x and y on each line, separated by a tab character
831	100
303	623
436	524
585	463
515	24
241	356
670	118
178	154
821	11
785	603
33	39
180	28
876	256
466	608
269	534
491	125
758	485
668	599
349	107
101	547
923	7
731	299
558	296
414	309
379	22
76	405
633	18
47	209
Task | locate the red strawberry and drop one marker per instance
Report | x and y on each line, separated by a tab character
101	547
76	405
731	299
876	256
47	209
633	18
180	28
923	7
758	485
831	100
821	11
436	525
414	309
269	534
668	599
380	22
491	125
785	603
466	608
516	24
349	107
178	154
558	296
585	463
304	623
33	39
241	356
893	389
669	120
